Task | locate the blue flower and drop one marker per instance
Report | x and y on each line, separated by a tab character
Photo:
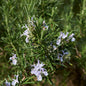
58	41
14	81
7	83
38	70
71	37
13	58
54	47
26	33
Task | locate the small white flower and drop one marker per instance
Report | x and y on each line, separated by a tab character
44	22
16	76
7	83
13	58
71	35
58	41
54	47
27	39
45	73
39	78
14	62
26	33
64	35
14	81
46	27
61	59
73	39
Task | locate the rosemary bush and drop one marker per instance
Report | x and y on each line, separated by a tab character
40	40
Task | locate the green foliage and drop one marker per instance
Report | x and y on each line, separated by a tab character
45	20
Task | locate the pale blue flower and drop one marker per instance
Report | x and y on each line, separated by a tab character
54	47
44	22
14	59
38	70
14	62
61	59
71	35
15	81
26	33
73	39
39	77
27	39
64	35
7	83
58	41
46	27
45	72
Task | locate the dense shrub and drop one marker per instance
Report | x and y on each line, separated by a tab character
41	40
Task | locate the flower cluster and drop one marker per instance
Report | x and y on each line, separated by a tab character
14	59
38	70
63	36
